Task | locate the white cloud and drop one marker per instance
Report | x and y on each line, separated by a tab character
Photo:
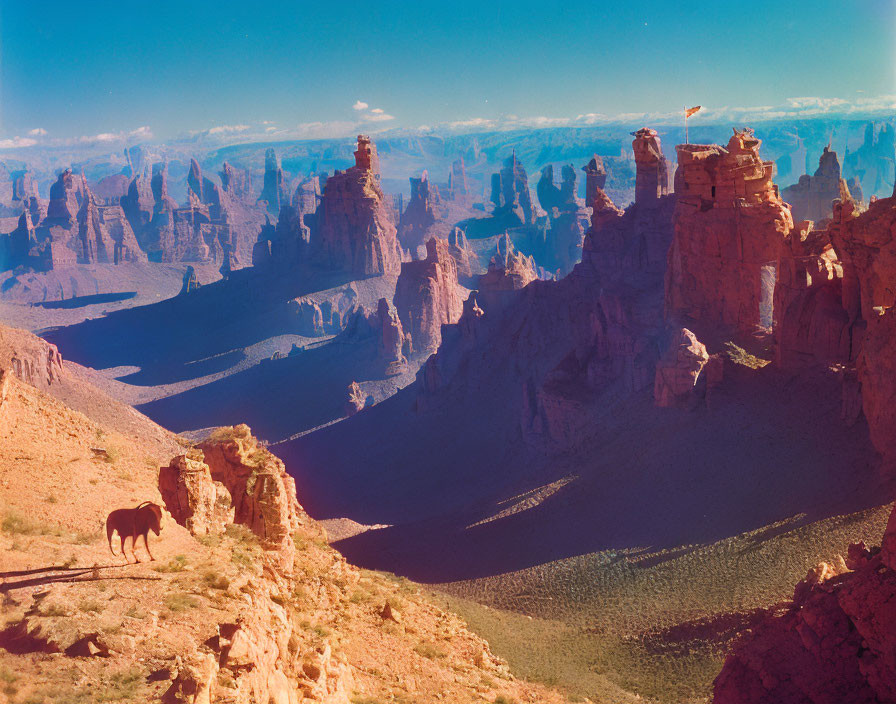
378	111
17	142
225	129
374	116
37	132
359	105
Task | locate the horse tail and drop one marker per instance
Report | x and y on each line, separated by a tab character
110	529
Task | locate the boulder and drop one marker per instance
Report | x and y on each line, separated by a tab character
196	501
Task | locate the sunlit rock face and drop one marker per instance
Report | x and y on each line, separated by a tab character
729	225
356	234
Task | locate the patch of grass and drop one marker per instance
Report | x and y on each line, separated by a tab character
50	499
216	580
177	603
15	524
55	610
8	682
122	686
91	607
246	550
112	456
429	650
501	699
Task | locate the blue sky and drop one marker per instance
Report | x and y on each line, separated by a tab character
108	69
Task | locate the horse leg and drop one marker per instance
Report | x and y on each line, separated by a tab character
134	548
146	543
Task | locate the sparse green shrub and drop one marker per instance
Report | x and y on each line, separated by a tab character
429	650
180	602
175	564
215	580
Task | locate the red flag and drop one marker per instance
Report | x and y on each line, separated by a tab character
691	111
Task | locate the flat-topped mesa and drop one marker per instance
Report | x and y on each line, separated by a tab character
355	233
812	197
729	225
420	215
595	179
510	191
427	296
651	168
273	191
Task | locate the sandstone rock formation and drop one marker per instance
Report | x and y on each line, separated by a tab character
508	271
873	162
652	174
383	326
356	399
678	370
865	243
811	323
595	178
510	192
30	359
263	494
458	187
812	197
464	256
273	191
562	245
729	225
355	234
419	216
237	183
835	642
195	500
427	296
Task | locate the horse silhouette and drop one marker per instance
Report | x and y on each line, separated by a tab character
134	522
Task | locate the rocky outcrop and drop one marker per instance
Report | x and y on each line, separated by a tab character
427	296
195	500
867	248
237	183
29	358
652	171
510	192
811	324
834	642
273	191
812	197
414	227
729	225
355	234
263	494
873	162
458	187
685	372
595	179
464	257
383	328
508	271
356	399
562	245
